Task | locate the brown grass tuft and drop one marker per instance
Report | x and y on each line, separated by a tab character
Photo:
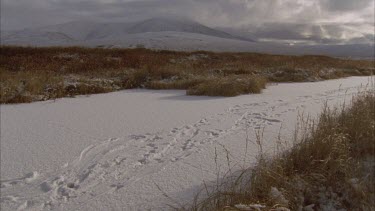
229	86
330	166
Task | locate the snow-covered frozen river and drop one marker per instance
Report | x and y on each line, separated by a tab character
111	151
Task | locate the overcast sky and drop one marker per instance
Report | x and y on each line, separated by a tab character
337	21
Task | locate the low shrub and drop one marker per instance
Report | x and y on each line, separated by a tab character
229	86
29	86
136	79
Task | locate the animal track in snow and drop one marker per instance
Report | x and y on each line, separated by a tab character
116	162
28	178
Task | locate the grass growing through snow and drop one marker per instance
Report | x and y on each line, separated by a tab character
331	166
33	74
229	86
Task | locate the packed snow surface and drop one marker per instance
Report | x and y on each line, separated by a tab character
126	150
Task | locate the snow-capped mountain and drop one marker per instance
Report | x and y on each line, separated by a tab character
163	24
79	31
169	34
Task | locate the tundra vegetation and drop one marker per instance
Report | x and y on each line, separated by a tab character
33	74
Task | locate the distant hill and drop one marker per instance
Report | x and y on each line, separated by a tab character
164	33
163	24
86	31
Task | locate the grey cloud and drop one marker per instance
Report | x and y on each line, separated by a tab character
345	5
277	19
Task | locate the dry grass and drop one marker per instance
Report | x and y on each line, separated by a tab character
134	68
22	87
179	83
229	86
330	166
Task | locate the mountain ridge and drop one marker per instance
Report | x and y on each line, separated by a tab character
89	30
167	34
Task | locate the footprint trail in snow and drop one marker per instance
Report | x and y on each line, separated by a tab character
110	165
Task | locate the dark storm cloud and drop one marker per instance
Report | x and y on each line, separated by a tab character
316	20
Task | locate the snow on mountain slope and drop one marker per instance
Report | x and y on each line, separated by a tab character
35	37
162	24
107	30
78	30
183	41
161	33
81	31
